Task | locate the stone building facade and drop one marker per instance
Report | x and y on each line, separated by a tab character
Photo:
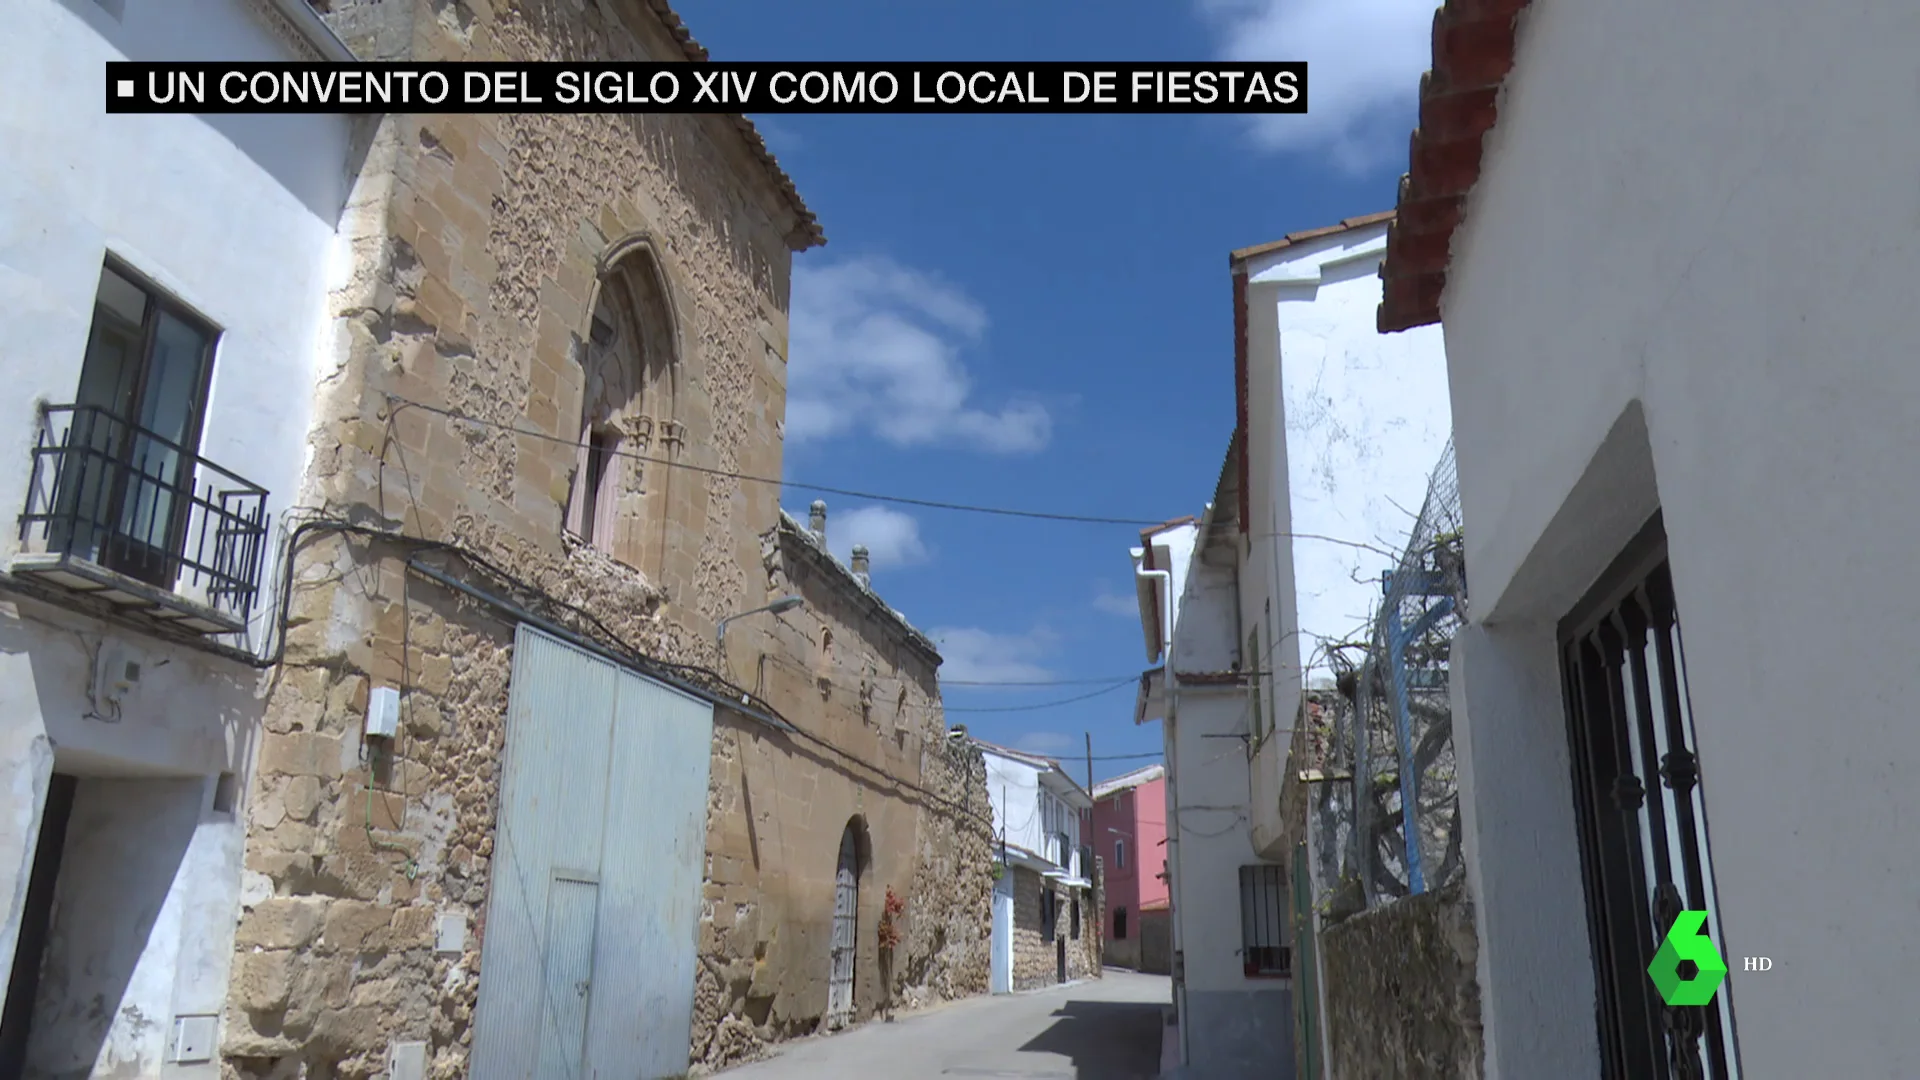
561	350
873	759
1056	930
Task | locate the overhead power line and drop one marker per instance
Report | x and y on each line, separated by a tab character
1107	680
1044	704
898	681
852	493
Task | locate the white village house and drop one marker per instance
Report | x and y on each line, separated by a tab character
1044	897
163	286
1677	296
1232	968
1341	427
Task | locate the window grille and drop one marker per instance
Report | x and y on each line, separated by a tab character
1263	905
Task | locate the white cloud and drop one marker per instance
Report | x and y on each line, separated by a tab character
1114	603
975	655
876	347
1046	743
892	538
1364	62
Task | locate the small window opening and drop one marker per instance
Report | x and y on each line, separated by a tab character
600	445
226	792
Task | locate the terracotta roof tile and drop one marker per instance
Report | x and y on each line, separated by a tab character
1236	258
1473	49
1147	534
807	232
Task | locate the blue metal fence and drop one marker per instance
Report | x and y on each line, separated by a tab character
1393	830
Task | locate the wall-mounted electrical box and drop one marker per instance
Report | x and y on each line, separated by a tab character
117	673
383	712
409	1061
193	1038
451	934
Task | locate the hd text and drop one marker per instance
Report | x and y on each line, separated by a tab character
707	88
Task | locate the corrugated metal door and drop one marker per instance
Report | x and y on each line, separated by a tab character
572	907
846	906
587	964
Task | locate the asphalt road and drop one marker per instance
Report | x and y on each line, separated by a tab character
1102	1029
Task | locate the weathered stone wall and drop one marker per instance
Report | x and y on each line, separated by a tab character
875	758
1034	960
949	922
1402	995
1036	957
477	243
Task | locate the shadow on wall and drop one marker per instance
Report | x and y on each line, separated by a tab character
282	146
125	846
1105	1040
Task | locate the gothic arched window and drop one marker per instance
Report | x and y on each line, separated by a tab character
629	425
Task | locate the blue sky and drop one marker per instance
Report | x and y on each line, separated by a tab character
1035	312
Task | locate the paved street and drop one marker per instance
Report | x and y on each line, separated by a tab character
1104	1029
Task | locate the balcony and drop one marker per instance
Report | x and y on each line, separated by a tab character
123	516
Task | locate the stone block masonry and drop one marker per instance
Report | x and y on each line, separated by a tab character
479	246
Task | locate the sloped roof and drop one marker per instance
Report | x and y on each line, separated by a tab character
1473	50
845	579
1038	761
1237	259
1129	780
807	231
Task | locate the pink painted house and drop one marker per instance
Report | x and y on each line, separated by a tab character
1130	834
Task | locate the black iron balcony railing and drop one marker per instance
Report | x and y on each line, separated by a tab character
118	511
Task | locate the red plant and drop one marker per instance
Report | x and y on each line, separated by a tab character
890	919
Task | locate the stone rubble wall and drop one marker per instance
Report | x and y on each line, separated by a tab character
1036	958
1403	997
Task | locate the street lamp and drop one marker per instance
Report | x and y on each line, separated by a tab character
785	603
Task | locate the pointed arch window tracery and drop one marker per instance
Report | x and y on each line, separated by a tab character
629	424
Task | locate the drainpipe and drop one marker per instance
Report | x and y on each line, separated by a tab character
1165	577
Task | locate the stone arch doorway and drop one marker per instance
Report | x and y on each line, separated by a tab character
844	947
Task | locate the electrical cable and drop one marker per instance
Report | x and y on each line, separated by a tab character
1131	680
1039	682
904	500
746	697
939	707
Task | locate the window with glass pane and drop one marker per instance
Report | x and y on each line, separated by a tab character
127	477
